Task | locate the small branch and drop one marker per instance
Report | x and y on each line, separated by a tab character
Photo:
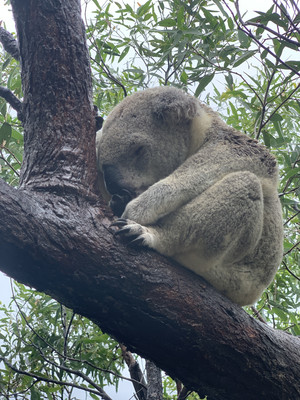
135	373
292	248
265	101
292	217
6	160
11	99
290	272
9	43
277	34
257	314
184	393
281	104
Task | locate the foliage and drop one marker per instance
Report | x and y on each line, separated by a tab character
41	336
248	70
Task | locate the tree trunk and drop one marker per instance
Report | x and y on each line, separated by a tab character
55	236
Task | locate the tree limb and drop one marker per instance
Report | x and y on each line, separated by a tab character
11	99
9	43
136	374
64	247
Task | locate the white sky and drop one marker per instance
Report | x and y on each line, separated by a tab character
125	390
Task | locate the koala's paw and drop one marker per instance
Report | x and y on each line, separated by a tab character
134	233
140	210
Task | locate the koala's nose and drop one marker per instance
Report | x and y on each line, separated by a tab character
112	178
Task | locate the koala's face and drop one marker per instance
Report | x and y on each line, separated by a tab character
143	140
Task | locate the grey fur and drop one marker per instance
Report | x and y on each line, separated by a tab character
197	190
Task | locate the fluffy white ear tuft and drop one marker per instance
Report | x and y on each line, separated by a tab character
173	105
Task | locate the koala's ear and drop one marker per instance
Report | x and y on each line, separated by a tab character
174	106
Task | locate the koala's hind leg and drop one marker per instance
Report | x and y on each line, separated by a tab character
223	223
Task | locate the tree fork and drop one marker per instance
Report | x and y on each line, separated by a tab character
55	236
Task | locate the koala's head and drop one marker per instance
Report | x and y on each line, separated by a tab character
144	139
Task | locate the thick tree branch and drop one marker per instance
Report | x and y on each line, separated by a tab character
63	247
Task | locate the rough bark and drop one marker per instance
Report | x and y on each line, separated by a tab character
55	236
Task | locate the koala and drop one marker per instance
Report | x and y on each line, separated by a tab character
194	189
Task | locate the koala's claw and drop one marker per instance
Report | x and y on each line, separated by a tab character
120	222
125	230
138	241
135	234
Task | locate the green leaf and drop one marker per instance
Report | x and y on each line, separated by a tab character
124	53
97	4
144	8
229	80
204	81
276	117
180	18
246	55
5	132
168	22
184	77
244	39
278	47
291	173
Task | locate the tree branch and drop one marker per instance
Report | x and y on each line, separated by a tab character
136	374
64	247
9	43
11	99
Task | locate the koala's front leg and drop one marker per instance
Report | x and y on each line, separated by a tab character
224	222
153	204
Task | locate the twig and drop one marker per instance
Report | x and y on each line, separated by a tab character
287	15
292	248
257	314
273	32
281	104
265	101
6	160
184	393
290	272
292	217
